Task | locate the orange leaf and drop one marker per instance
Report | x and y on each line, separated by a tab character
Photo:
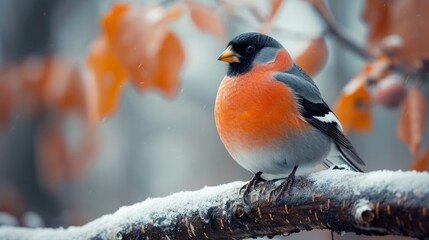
51	151
379	68
111	25
57	91
140	35
174	12
353	107
412	121
6	102
53	88
11	200
421	163
167	81
47	82
314	57
32	75
376	16
394	17
57	163
81	97
137	31
58	86
109	75
206	19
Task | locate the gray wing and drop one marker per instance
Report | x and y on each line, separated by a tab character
316	112
301	83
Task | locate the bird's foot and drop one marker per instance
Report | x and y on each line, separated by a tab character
286	185
251	184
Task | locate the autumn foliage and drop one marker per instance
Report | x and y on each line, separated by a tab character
138	45
394	74
51	89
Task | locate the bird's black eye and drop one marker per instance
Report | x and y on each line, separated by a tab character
250	49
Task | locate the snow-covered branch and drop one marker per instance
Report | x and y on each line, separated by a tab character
374	203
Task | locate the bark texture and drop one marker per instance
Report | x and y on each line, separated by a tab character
374	203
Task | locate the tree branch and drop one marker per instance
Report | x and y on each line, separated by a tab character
420	73
374	203
324	13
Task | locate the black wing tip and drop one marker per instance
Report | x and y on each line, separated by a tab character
352	159
355	155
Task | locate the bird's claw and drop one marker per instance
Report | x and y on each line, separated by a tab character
243	187
251	184
286	185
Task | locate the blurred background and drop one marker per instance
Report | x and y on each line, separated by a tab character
75	146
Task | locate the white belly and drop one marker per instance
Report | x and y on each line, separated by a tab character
278	160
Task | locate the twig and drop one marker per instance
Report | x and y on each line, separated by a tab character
323	12
333	29
375	203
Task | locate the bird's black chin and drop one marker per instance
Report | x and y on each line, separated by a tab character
239	68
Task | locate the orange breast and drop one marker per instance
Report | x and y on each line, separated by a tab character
254	110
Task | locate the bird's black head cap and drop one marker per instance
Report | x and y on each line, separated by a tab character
246	46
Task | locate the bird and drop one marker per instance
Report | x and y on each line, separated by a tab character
271	116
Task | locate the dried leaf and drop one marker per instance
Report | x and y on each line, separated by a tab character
354	105
110	75
51	152
140	34
167	81
394	17
174	12
412	120
111	23
32	76
63	89
206	19
421	163
81	97
131	43
6	104
11	200
379	68
314	57
57	161
376	15
53	88
47	82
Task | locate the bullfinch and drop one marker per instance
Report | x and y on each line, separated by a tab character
271	116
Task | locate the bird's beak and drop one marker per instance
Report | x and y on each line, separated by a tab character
229	56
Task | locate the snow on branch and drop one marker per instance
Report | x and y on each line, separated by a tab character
374	203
